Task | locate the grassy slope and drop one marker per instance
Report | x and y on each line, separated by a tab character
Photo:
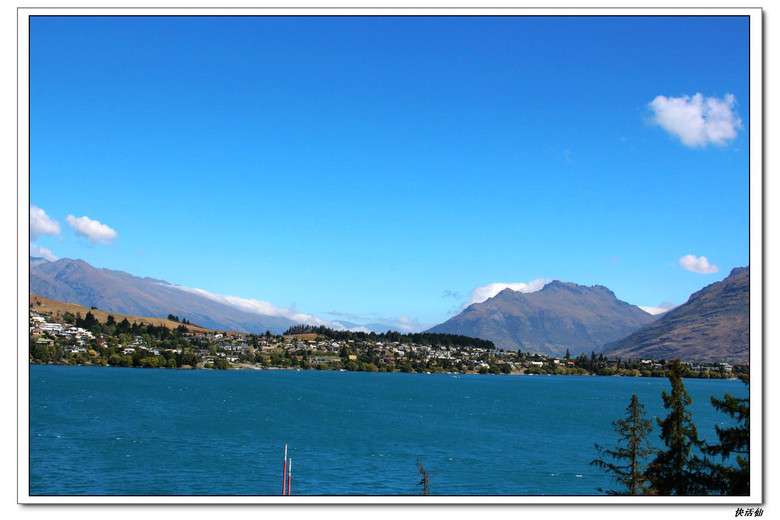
45	305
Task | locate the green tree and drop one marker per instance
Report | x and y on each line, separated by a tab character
678	470
41	353
150	362
626	462
88	322
735	440
186	358
124	326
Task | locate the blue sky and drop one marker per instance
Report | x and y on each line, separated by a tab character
393	169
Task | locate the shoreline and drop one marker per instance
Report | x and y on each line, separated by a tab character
256	368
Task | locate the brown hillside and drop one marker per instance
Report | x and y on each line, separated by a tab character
45	305
712	326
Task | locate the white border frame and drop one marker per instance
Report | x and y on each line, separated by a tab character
756	256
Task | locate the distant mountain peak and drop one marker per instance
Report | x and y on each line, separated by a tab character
576	288
508	292
561	316
713	325
739	270
36	260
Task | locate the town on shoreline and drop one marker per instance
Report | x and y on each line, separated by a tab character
65	338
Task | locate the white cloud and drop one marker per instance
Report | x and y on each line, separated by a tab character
360	328
403	324
96	232
696	120
697	265
36	250
664	307
260	307
42	224
483	292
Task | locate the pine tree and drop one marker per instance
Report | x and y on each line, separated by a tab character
678	470
733	480
628	457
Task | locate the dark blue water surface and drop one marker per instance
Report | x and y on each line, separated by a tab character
124	431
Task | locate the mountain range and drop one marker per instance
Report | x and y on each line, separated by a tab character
76	281
561	316
712	326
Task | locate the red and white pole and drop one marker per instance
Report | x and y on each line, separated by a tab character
289	477
284	472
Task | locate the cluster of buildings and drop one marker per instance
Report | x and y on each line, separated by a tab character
43	329
695	367
210	347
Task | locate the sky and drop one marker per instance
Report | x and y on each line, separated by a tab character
393	169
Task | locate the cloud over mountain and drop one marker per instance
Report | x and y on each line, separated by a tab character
664	307
42	224
696	120
375	323
253	306
42	252
403	324
483	292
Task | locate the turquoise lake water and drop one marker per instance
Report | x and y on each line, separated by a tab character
128	432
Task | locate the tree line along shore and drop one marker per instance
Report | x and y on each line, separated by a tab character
72	339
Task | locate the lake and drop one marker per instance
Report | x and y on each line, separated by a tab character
129	432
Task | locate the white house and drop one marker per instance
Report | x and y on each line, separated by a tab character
51	327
